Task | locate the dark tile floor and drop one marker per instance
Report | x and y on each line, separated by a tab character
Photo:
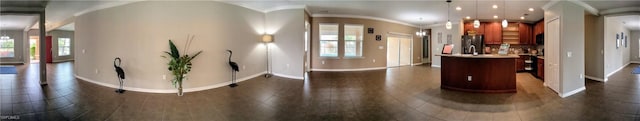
404	94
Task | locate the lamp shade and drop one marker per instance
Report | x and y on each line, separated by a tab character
448	25
267	38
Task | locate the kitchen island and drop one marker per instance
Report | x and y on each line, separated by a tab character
484	73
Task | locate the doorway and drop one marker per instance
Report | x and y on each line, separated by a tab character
552	46
34	49
399	50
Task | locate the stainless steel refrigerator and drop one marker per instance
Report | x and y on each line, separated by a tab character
468	41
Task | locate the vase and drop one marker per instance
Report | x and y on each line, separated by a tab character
180	93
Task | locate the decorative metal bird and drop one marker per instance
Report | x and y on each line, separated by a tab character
120	72
234	67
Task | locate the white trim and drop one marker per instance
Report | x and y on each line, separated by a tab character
586	6
284	8
620	10
4	62
636	62
572	92
549	4
613	72
357	69
595	78
415	64
288	76
362	17
105	6
437	66
70	59
169	90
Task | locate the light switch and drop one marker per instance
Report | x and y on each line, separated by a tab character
569	54
381	47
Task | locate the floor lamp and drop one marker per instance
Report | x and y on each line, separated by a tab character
266	39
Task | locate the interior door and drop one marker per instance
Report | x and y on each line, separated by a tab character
393	51
552	46
405	51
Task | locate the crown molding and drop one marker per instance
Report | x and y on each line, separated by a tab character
586	6
362	17
620	10
285	8
105	6
549	4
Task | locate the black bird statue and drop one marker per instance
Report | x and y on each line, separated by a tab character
120	74
235	68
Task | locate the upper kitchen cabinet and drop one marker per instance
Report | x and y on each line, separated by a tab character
469	27
524	31
493	33
538	28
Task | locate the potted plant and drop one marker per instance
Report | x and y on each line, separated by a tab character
180	65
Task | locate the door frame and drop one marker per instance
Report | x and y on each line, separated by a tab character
398	34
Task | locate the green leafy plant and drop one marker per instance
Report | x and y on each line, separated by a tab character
180	65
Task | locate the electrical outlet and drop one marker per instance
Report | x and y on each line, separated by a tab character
244	67
569	54
97	71
581	76
381	47
83	51
469	78
164	77
323	62
374	60
288	65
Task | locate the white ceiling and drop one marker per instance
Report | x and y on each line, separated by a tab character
631	22
16	22
60	12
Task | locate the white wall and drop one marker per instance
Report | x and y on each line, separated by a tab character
436	47
615	58
139	33
571	41
18	37
287	51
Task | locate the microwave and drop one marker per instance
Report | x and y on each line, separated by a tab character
540	39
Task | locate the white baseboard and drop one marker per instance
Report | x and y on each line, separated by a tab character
358	69
288	76
169	90
437	66
415	64
55	61
573	92
12	63
595	78
622	67
636	62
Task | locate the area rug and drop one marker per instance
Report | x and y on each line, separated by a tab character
636	70
8	70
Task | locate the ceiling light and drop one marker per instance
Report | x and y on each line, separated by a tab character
467	17
448	24
458	8
476	23
505	23
421	32
531	9
494	6
521	17
495	16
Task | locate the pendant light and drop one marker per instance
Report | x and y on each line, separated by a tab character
476	23
421	32
505	23
448	24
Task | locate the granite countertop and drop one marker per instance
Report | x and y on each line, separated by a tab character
480	55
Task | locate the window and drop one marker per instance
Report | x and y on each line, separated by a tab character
329	40
64	46
6	46
353	40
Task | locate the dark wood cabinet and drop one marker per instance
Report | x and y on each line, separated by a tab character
469	27
524	31
538	28
493	33
541	68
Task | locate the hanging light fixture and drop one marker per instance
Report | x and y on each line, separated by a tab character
448	24
476	23
421	32
505	23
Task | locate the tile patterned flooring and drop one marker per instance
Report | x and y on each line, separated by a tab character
403	94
